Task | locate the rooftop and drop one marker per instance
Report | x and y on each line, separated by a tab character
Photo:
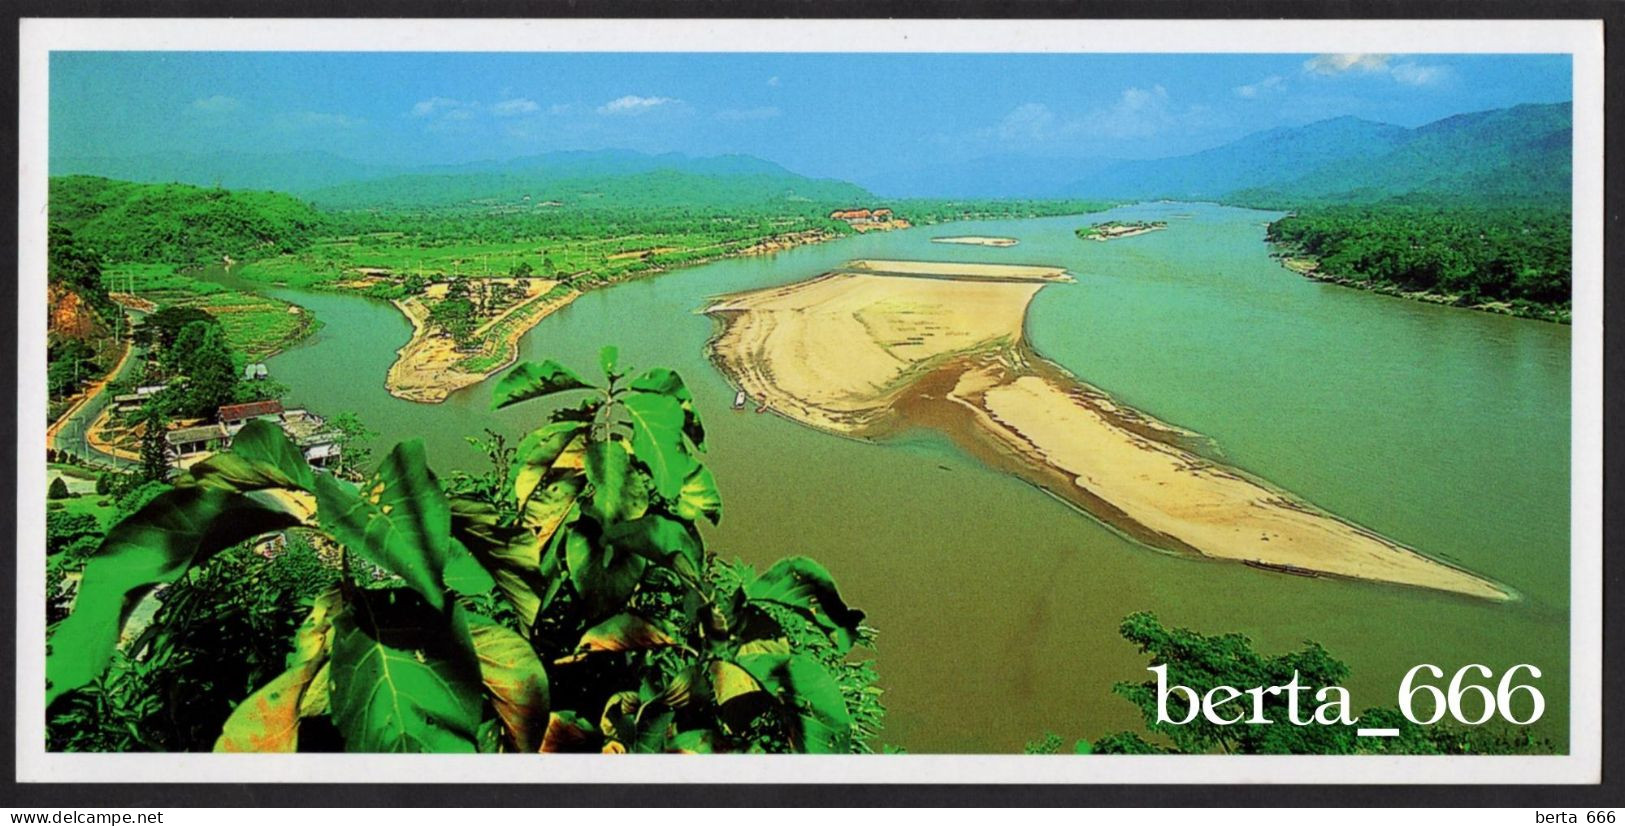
233	412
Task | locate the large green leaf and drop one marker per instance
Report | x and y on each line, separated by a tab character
176	530
667	383
603	576
617	494
657	439
311	640
802	584
514	678
536	454
812	708
531	380
608	357
624	632
699	497
568	731
261	456
401	521
268	721
510	553
660	540
402	681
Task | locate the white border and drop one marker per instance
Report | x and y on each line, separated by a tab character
1581	39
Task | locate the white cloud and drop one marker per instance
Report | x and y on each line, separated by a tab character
1138	113
315	120
515	106
1273	83
755	113
1409	73
217	104
440	106
1415	74
1336	64
773	81
1027	123
632	104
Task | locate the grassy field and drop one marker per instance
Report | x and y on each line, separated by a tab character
256	326
604	258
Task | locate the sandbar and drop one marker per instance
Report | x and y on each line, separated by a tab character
878	346
430	367
977	240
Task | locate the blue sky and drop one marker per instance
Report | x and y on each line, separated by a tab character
819	114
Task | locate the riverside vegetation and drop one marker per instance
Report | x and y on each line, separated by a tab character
562	601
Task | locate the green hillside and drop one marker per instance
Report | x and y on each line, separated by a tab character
1517	155
177	223
543	188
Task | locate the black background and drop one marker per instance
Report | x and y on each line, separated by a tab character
160	796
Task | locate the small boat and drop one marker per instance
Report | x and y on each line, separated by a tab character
739	400
761	408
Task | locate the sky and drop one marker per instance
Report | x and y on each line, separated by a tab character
827	115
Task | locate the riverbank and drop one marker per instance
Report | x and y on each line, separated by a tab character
1310	268
873	348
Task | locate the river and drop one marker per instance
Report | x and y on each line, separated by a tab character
997	604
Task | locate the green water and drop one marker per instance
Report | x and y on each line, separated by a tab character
997	604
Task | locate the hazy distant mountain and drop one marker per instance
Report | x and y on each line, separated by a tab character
583	178
283	171
993	176
1259	159
1523	152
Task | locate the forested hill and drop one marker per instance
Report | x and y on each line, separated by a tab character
621	179
293	172
1521	154
645	183
177	223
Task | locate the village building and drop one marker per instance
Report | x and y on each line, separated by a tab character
862	217
317	440
131	402
256	371
234	416
313	436
186	442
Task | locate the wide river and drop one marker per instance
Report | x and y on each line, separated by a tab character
997	604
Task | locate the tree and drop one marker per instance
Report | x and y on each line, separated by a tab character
159	329
57	490
353	438
574	608
154	450
201	355
70	262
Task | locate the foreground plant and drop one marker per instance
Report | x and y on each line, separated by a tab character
570	606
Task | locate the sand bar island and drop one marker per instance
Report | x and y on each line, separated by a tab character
977	240
876	346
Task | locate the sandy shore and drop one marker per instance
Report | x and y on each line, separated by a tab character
876	346
428	367
977	240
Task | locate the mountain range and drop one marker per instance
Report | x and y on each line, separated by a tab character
1522	153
